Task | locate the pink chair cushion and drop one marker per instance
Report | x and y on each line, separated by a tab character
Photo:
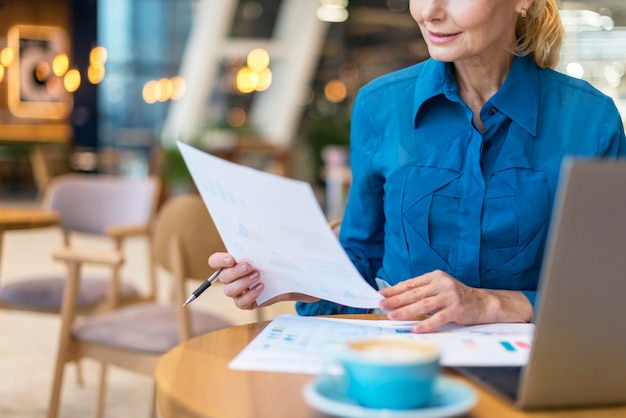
147	328
46	293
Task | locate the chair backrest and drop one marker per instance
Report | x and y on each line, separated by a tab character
184	222
90	204
335	225
183	237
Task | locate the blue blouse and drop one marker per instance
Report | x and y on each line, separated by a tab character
430	191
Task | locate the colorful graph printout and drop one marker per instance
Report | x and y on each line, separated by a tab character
295	344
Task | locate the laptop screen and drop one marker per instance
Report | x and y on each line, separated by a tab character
578	356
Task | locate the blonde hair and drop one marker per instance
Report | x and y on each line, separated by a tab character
540	33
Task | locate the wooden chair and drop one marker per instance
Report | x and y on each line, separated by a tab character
335	225
134	337
113	208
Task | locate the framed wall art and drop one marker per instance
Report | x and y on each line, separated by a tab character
34	90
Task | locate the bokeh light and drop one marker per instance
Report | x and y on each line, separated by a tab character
258	59
246	80
6	56
149	92
98	55
179	87
256	76
236	117
335	91
60	65
71	81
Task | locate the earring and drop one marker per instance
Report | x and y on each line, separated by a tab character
523	14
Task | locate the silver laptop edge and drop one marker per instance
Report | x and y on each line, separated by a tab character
579	350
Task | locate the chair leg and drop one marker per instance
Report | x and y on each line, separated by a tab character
260	314
57	384
65	347
153	408
80	377
102	390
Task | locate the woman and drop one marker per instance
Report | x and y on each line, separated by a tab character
455	164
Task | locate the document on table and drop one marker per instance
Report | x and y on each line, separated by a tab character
296	344
277	225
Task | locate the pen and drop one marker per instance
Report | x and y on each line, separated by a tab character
204	286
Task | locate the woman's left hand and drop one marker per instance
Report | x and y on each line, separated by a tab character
444	299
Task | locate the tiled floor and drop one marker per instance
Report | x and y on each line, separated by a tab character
28	341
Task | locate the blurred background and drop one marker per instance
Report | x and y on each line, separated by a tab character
109	86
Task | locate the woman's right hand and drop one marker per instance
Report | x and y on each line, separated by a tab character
241	280
242	283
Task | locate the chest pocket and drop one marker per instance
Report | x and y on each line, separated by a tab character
430	213
515	223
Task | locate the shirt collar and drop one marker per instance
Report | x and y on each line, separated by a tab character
433	81
518	98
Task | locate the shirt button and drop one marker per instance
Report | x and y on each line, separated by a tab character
492	111
487	144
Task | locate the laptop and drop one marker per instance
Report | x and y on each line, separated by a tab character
578	357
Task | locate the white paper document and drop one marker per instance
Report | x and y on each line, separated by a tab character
296	344
277	225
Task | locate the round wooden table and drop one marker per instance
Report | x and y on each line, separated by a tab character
193	381
15	217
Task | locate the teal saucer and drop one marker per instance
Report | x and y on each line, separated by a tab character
451	398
